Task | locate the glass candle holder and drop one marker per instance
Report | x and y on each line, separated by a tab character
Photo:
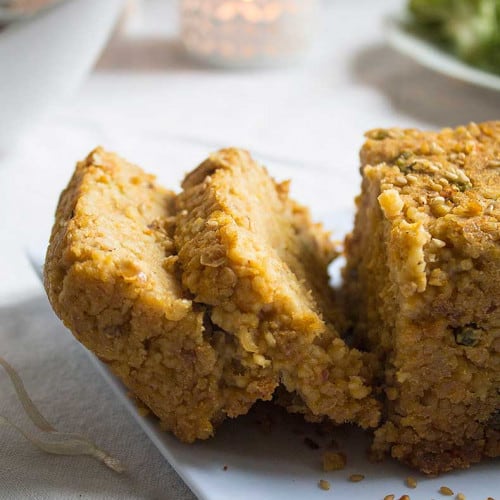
246	33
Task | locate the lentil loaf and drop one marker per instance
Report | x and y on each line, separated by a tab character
110	274
114	275
422	290
252	253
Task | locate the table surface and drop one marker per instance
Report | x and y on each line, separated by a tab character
146	99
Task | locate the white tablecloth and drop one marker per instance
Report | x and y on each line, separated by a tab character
148	101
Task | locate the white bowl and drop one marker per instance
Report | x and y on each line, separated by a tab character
43	59
428	54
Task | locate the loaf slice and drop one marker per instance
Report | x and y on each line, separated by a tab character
110	274
422	289
254	255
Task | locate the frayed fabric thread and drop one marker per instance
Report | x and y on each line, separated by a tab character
53	441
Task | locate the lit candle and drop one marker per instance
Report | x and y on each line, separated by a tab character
248	32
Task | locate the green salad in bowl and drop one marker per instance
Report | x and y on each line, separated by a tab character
468	28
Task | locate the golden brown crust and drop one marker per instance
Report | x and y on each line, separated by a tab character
253	254
422	288
110	274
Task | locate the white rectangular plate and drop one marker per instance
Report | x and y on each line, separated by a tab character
279	465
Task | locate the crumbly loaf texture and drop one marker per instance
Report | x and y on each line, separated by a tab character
422	288
110	274
252	253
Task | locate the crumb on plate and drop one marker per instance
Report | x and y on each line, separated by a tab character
356	478
333	460
444	490
411	482
324	485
